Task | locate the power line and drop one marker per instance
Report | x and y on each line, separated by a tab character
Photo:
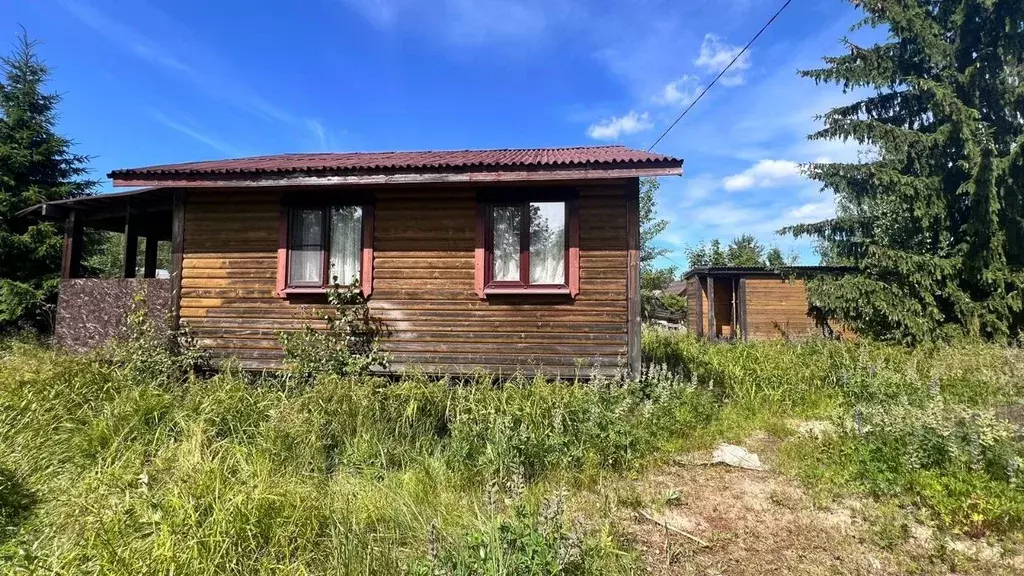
720	74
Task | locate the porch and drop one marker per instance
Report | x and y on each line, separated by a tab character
91	310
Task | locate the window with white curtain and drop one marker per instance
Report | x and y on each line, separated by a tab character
527	244
325	246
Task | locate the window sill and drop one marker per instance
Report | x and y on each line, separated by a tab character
527	291
289	292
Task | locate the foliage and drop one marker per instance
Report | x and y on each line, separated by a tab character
342	475
650	225
149	351
526	539
933	218
106	257
36	165
917	429
743	250
133	474
349	344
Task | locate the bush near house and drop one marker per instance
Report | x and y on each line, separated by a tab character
106	468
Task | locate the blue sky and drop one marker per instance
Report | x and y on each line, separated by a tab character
149	83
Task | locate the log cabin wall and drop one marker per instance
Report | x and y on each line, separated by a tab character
423	285
777	308
694	300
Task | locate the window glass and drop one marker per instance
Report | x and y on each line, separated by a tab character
305	262
547	243
346	244
506	232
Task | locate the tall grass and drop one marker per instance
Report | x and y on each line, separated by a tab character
230	475
106	468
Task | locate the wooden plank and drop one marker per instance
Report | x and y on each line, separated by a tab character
712	323
131	244
149	260
200	261
71	258
177	255
633	276
700	308
743	308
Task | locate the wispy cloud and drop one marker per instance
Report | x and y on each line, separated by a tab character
764	174
680	92
715	55
189	128
612	128
471	22
194	68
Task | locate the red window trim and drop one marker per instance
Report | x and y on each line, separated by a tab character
284	290
483	255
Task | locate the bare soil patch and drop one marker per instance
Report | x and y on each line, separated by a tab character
766	523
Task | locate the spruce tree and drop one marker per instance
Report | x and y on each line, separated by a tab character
36	165
932	221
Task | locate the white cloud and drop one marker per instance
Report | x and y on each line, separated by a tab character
188	128
614	127
715	55
680	92
764	174
471	22
812	212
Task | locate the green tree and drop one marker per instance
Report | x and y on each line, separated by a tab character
650	227
36	165
933	221
745	250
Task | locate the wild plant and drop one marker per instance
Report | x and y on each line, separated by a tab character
349	345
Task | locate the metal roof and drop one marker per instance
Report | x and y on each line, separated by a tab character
761	270
340	162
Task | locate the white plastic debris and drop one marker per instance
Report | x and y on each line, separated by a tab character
737	456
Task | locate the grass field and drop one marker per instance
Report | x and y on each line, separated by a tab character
120	466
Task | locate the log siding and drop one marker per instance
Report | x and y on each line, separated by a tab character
424	285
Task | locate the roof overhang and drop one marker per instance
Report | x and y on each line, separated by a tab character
107	211
761	271
377	178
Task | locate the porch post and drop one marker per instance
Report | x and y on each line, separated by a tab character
149	267
177	255
131	244
712	327
71	259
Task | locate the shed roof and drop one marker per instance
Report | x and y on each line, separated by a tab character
741	271
583	159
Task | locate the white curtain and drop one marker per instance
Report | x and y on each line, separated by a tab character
506	226
547	243
304	263
346	244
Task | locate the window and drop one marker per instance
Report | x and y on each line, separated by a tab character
528	247
323	246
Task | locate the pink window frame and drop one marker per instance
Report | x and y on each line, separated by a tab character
484	255
284	289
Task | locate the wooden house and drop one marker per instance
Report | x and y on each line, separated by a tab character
753	303
500	260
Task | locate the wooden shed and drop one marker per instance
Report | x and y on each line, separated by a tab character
501	260
753	302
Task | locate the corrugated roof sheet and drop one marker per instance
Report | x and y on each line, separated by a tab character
598	156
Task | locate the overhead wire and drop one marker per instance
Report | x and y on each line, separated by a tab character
720	74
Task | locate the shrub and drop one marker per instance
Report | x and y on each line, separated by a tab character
961	467
349	346
149	352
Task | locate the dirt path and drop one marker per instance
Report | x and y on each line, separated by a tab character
765	523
